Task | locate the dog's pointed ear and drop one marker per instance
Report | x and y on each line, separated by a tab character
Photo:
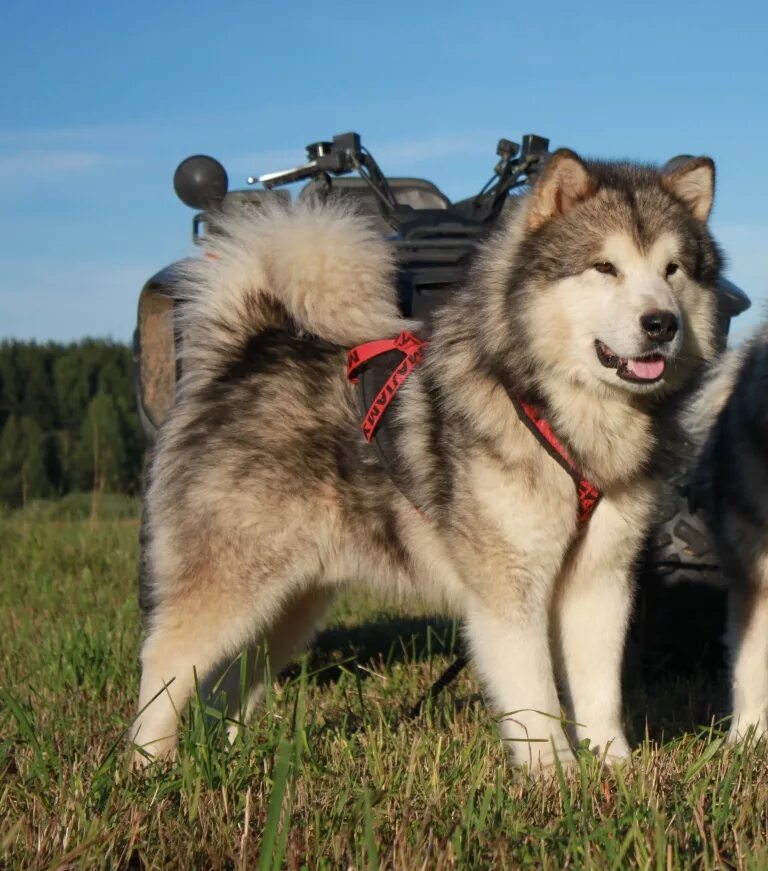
692	180
564	182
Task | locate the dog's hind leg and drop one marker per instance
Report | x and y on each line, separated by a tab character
244	682
184	641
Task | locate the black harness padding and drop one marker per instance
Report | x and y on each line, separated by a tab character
372	376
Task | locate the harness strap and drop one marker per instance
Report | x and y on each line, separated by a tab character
413	349
588	493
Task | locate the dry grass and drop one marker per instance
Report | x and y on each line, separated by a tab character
335	773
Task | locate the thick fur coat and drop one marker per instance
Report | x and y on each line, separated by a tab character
728	421
594	301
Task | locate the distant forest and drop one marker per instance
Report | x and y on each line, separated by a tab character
68	420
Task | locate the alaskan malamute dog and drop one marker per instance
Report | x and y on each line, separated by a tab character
729	418
582	314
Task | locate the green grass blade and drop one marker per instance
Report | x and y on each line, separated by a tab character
708	753
370	840
27	730
274	814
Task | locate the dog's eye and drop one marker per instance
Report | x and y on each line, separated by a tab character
671	269
606	268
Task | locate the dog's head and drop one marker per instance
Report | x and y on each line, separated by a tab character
619	272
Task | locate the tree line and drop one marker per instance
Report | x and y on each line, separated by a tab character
68	420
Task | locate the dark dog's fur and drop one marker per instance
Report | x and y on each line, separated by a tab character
729	418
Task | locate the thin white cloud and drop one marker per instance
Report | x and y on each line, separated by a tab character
390	155
114	133
43	163
53	136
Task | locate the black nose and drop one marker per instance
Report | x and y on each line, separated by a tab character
659	326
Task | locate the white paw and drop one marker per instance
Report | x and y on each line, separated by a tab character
614	749
544	764
147	752
749	727
609	744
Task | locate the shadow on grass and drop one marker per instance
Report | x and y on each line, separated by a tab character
676	674
665	702
380	642
674	683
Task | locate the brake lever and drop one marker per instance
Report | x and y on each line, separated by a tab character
335	162
285	176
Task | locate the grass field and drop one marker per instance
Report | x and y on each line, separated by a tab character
335	773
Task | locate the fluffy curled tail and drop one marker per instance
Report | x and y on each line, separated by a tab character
319	265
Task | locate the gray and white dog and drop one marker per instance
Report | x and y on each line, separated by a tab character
592	305
729	421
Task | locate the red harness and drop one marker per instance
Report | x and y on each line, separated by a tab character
588	493
412	348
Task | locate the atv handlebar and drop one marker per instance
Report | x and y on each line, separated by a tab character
344	155
200	182
337	157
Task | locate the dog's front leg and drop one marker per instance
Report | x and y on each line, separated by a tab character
591	613
748	643
510	650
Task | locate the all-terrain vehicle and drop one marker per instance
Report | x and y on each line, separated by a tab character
434	240
433	237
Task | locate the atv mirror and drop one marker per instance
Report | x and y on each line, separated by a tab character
200	182
534	146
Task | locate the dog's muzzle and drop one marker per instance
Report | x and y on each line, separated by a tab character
645	369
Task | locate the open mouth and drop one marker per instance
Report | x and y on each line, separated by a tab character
646	369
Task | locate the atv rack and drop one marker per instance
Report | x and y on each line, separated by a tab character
433	238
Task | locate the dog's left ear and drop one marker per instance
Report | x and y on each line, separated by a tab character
693	181
564	182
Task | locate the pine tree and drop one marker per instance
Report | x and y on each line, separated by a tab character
38	399
11	380
11	462
75	385
100	455
67	419
23	474
34	477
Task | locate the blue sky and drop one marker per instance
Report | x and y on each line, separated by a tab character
101	100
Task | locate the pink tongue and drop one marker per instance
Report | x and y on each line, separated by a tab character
648	369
